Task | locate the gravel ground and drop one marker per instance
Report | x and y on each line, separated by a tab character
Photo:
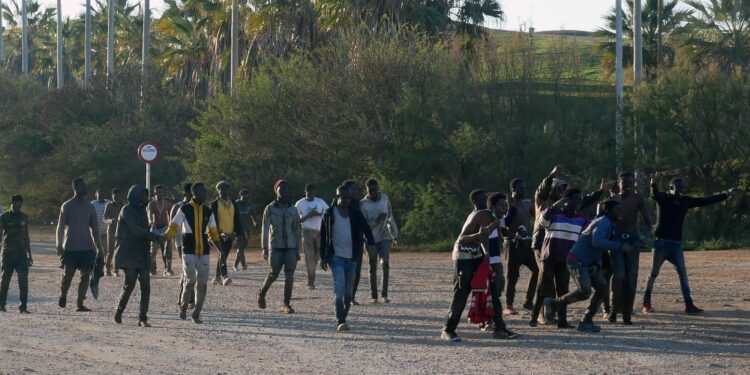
397	338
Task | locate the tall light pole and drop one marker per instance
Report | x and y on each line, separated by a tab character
2	41
146	36
110	38
59	54
637	76
235	49
24	40
619	133
87	54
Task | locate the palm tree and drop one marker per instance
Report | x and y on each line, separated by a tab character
41	42
672	20
720	29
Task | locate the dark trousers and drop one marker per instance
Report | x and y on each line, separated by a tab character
286	258
144	279
357	276
17	262
554	277
73	261
497	284
221	264
382	251
518	253
242	241
585	279
624	266
464	272
98	272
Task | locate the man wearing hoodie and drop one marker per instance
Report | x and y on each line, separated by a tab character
132	252
341	247
280	240
111	215
197	224
77	242
16	253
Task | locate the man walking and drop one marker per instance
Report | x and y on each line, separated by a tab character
584	265
624	265
100	204
77	242
341	248
377	210
671	209
187	196
16	253
468	255
158	215
111	215
517	246
311	209
281	237
132	254
197	224
246	216
227	221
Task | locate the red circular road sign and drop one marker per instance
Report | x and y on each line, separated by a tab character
148	152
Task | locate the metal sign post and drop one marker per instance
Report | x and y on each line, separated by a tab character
148	152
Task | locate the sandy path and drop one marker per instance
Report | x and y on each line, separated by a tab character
401	337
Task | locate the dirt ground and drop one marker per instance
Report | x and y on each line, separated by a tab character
397	338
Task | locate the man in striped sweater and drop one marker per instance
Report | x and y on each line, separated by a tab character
563	223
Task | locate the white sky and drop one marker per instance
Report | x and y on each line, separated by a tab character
542	14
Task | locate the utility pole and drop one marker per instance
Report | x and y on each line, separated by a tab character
659	31
59	52
87	54
619	133
235	47
146	36
637	76
2	41
24	40
110	38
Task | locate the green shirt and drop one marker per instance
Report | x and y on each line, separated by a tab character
14	226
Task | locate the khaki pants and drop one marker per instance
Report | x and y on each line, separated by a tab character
109	255
311	248
195	280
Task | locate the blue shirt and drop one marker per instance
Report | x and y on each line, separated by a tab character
594	241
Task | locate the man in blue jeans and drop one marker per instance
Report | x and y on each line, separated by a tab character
671	210
585	266
342	231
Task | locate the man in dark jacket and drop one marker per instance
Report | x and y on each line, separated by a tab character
341	234
132	254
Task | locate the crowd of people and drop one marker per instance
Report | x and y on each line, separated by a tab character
553	235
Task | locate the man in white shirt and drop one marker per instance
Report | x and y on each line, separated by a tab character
376	208
311	209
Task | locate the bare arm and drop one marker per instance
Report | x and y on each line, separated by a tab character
62	222
94	226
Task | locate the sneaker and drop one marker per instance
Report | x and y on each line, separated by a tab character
216	281
374	301
2	309
692	309
561	324
450	336
533	322
235	269
612	318
311	287
118	317
191	306
542	320
487	327
549	311
355	303
183	314
153	272
647	309
244	267
143	324
170	273
227	281
385	299
627	322
23	310
165	273
341	327
261	301
504	334
61	301
83	308
95	291
588	327
286	309
117	273
196	320
528	305
509	311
